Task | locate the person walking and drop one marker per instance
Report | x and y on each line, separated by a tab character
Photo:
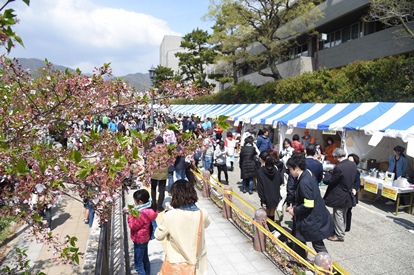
208	154
297	146
179	228
312	164
230	143
357	182
220	156
263	142
339	192
269	181
159	179
140	230
247	164
312	221
287	151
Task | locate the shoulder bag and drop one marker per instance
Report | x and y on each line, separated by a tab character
168	268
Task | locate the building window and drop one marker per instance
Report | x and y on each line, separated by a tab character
346	34
301	50
355	32
338	38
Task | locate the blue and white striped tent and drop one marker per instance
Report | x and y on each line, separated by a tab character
392	119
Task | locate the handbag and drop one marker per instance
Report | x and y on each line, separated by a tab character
168	268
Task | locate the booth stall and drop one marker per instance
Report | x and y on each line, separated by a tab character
370	130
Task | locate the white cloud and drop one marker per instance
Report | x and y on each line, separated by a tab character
79	33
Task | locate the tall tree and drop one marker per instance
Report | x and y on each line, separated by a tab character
229	57
164	74
32	108
197	56
268	27
392	13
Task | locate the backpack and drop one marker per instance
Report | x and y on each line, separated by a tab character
153	227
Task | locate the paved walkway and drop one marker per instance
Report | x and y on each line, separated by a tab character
228	250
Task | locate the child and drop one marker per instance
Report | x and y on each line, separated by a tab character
140	230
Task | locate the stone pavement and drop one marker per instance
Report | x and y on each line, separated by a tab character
67	220
228	250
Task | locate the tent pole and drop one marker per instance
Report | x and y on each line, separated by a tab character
343	141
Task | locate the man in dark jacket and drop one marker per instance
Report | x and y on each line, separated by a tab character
339	192
311	219
312	164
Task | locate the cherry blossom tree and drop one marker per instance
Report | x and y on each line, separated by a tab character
54	101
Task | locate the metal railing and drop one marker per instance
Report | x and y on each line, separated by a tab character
281	254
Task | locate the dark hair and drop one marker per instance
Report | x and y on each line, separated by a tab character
229	134
288	141
355	157
159	140
141	195
183	193
310	150
249	139
295	137
265	156
297	160
399	149
331	139
275	157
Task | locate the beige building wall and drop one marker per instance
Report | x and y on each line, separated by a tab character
170	45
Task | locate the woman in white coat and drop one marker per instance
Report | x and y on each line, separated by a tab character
179	228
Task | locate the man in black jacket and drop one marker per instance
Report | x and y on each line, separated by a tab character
339	192
311	219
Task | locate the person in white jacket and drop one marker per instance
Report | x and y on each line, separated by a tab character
179	228
220	156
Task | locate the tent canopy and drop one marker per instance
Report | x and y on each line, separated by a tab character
391	119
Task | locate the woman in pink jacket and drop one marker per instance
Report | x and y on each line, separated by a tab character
140	230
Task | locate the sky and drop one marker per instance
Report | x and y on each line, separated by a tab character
86	34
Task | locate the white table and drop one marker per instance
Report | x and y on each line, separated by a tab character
387	190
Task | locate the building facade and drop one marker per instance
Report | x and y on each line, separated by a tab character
344	37
170	45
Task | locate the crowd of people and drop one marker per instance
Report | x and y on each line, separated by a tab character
286	180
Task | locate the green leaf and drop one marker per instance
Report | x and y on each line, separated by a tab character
134	133
116	154
134	212
75	258
82	173
222	118
187	135
172	126
21	166
73	241
27	2
37	218
42	167
135	152
77	156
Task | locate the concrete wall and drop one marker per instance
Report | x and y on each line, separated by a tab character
170	45
334	9
377	45
289	68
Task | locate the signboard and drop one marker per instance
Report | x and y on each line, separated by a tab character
329	132
390	192
371	187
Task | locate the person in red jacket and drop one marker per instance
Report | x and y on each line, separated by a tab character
139	223
297	145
